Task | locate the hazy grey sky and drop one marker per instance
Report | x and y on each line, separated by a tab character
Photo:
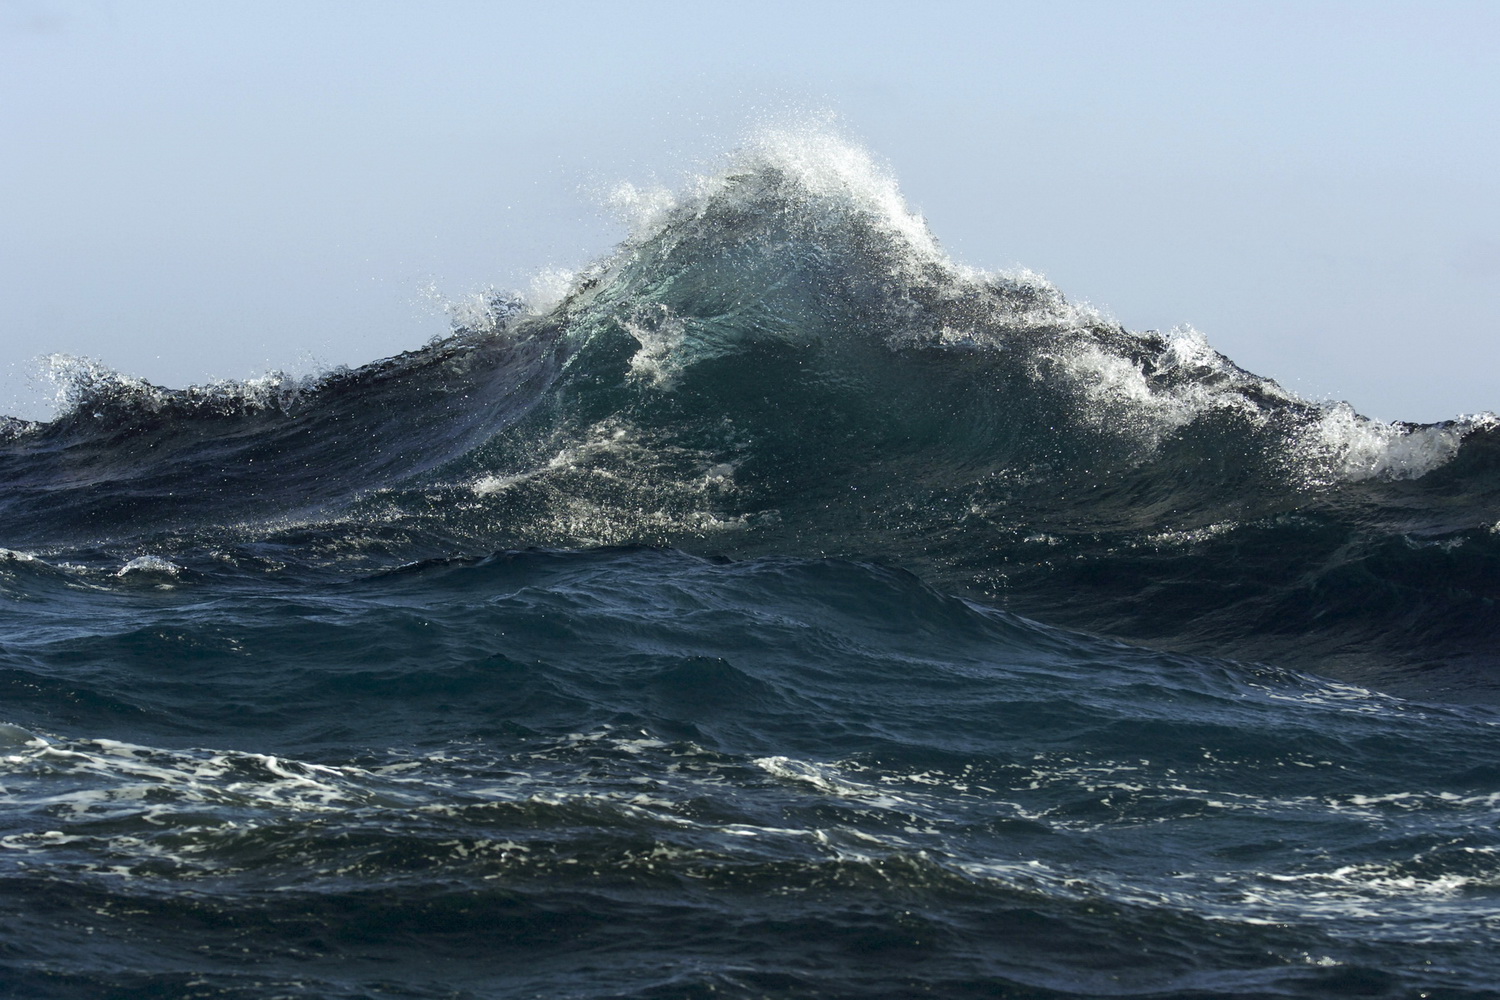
198	190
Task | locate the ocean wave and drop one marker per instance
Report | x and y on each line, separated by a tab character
781	358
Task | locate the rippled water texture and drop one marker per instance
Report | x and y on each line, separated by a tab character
787	611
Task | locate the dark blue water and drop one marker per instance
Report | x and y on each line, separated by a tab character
785	612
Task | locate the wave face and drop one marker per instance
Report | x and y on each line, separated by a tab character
783	361
785	611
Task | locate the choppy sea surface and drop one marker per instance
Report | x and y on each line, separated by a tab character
785	610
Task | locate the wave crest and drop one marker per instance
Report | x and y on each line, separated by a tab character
782	359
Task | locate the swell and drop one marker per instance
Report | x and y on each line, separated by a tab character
125	456
782	360
703	774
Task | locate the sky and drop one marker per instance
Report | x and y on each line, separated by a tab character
195	191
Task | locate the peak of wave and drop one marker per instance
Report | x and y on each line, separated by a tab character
802	239
805	176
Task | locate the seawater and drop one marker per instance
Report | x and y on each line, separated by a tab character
781	610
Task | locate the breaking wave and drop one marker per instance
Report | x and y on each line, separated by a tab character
781	358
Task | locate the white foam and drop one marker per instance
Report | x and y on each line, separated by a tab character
150	564
81	383
646	477
828	172
830	166
76	380
1341	444
482	310
827	779
1117	393
548	287
661	333
493	485
643	209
